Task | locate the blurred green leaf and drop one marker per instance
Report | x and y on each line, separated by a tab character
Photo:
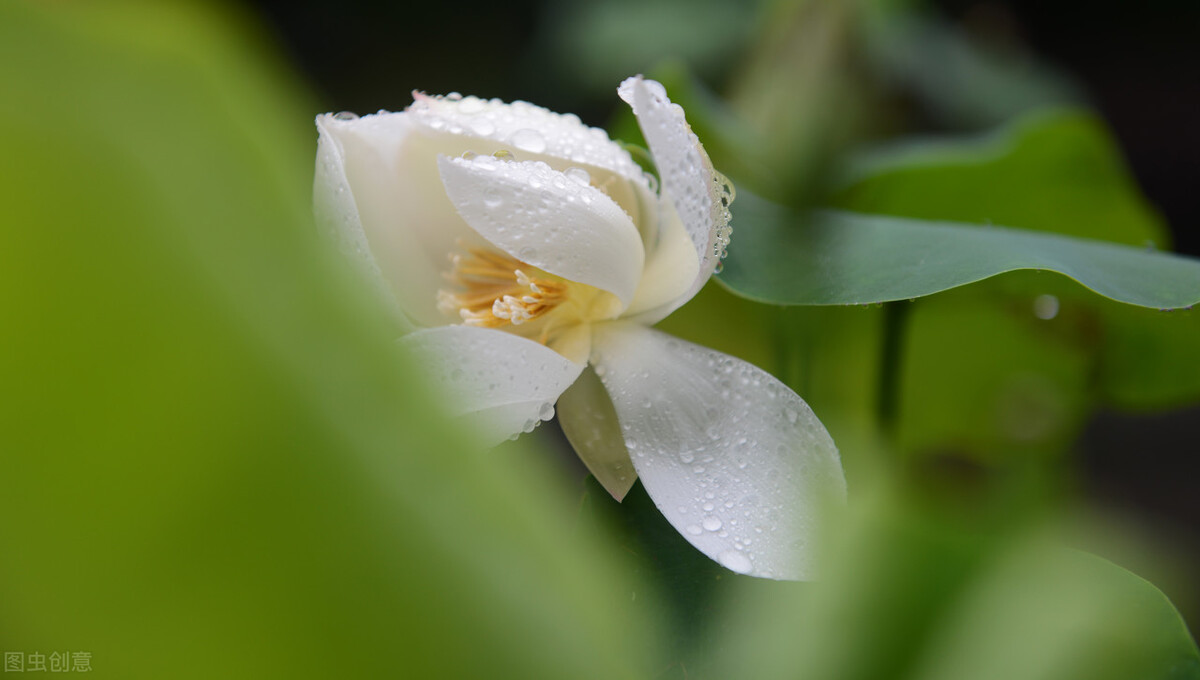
918	590
963	78
592	46
985	380
214	464
1148	359
692	585
1059	615
841	258
803	94
1058	171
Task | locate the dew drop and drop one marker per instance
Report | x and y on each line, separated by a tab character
711	523
482	127
694	529
345	115
1045	307
653	182
579	175
735	561
471	105
529	140
546	412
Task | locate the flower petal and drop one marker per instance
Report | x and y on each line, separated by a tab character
506	384
698	193
389	175
524	127
586	415
735	460
670	272
333	203
548	219
530	132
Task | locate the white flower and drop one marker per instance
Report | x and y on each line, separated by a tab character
527	246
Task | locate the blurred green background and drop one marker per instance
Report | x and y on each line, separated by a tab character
213	464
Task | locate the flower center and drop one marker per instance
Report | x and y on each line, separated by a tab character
495	290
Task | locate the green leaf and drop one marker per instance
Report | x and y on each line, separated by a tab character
1070	615
1058	171
962	80
840	258
920	588
214	463
692	588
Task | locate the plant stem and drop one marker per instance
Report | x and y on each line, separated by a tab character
895	326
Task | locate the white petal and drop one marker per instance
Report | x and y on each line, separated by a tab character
586	415
548	219
501	384
389	175
670	272
523	127
699	194
333	203
531	132
734	459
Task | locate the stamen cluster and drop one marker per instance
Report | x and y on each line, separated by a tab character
496	291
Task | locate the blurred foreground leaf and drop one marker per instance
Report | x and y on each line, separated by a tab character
214	465
692	585
927	595
841	258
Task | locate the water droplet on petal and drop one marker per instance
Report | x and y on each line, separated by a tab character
482	127
735	561
711	523
694	529
529	140
345	115
471	106
579	175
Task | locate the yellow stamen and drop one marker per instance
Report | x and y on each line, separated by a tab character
497	292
